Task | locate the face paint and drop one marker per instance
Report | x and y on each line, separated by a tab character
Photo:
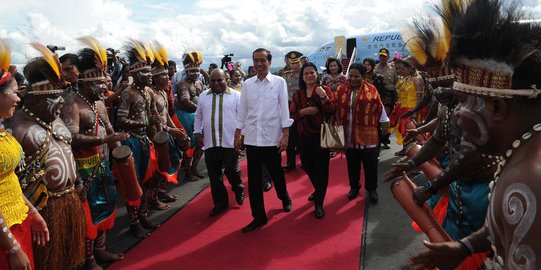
161	80
97	90
53	105
471	120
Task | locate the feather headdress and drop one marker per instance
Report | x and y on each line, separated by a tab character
92	60
492	51
43	73
192	59
139	54
5	60
100	52
160	64
429	40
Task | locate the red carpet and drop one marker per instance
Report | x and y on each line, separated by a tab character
296	240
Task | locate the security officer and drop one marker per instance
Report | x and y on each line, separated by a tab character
292	79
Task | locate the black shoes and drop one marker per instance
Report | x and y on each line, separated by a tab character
386	146
373	196
239	196
353	193
255	224
217	210
319	213
267	185
287	205
311	197
288	167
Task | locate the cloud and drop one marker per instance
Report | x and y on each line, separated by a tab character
213	27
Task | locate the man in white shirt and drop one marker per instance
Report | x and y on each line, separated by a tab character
263	117
215	117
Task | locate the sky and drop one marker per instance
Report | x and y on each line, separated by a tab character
212	27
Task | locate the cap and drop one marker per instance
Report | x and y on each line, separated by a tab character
384	52
293	57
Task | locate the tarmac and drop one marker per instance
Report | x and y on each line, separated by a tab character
387	241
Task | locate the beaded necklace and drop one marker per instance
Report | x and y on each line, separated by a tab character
94	110
146	99
514	146
47	126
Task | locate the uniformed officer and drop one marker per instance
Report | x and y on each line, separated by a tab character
292	79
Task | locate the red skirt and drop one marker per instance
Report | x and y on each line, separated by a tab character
23	235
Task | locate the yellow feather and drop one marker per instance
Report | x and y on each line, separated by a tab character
5	55
417	51
149	52
442	45
48	56
163	54
139	47
161	51
414	45
96	46
157	56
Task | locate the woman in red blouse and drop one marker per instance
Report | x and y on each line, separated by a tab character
359	108
333	76
307	108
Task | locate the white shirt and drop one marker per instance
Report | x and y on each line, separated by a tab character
208	118
263	110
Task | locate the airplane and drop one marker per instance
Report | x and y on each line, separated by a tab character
366	45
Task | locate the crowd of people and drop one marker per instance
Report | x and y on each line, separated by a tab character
76	129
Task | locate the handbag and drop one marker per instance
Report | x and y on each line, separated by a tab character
332	134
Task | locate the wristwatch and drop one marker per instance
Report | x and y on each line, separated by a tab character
429	188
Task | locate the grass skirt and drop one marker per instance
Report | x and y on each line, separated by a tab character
66	221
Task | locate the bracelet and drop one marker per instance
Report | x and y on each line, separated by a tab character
14	249
467	244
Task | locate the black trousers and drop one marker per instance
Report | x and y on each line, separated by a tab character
272	159
216	159
315	162
291	150
369	159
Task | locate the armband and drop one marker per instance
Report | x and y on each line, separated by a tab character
465	242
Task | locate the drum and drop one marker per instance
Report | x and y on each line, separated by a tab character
422	215
125	166
161	143
430	168
420	138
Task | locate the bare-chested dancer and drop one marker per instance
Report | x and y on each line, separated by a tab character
499	114
188	91
49	179
178	140
137	115
86	117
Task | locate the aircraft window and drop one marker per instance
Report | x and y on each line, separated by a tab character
369	46
399	44
394	45
381	45
387	45
364	46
